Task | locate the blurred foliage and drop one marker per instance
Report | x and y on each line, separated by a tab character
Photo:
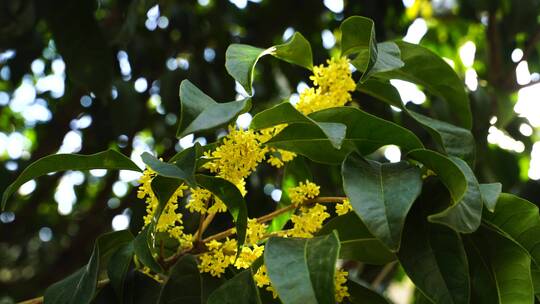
176	40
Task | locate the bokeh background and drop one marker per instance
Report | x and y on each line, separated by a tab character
84	76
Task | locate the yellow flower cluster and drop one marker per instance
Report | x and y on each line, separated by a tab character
262	279
333	86
238	156
200	199
221	255
309	221
170	220
340	279
302	192
344	207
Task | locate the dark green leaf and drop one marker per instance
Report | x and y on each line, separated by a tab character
381	194
388	58
310	265
429	70
357	243
358	37
80	287
434	259
518	220
241	289
504	264
295	171
183	285
490	194
453	140
110	159
231	196
199	112
361	294
140	288
118	268
240	59
465	213
286	113
143	246
167	169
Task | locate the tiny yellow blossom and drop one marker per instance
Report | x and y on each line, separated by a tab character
236	157
340	278
309	221
333	86
262	279
344	208
303	191
248	256
255	231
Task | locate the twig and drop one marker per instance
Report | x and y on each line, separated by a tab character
382	275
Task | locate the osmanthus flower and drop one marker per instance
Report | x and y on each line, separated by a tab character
344	207
333	84
200	199
340	279
304	190
308	221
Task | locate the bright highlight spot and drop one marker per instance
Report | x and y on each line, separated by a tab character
120	222
504	141
416	31
243	120
466	53
408	91
392	153
517	54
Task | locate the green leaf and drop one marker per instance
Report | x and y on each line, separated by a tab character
167	169
110	159
505	265
358	37
241	289
361	294
434	259
490	194
140	288
231	196
357	243
368	132
535	275
183	285
118	267
199	112
452	140
388	58
286	113
381	194
80	287
143	245
240	59
311	142
517	219
310	265
464	214
429	70
295	171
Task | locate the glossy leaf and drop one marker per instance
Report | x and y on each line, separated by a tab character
452	140
361	294
232	198
464	214
143	245
368	132
199	112
241	289
502	264
167	170
118	267
365	132
358	37
381	194
286	113
240	59
295	171
427	69
388	58
80	287
110	159
310	265
434	259
518	220
357	243
183	285
490	194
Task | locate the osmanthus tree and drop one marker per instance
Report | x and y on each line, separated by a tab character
458	240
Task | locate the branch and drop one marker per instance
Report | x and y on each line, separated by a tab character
39	300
